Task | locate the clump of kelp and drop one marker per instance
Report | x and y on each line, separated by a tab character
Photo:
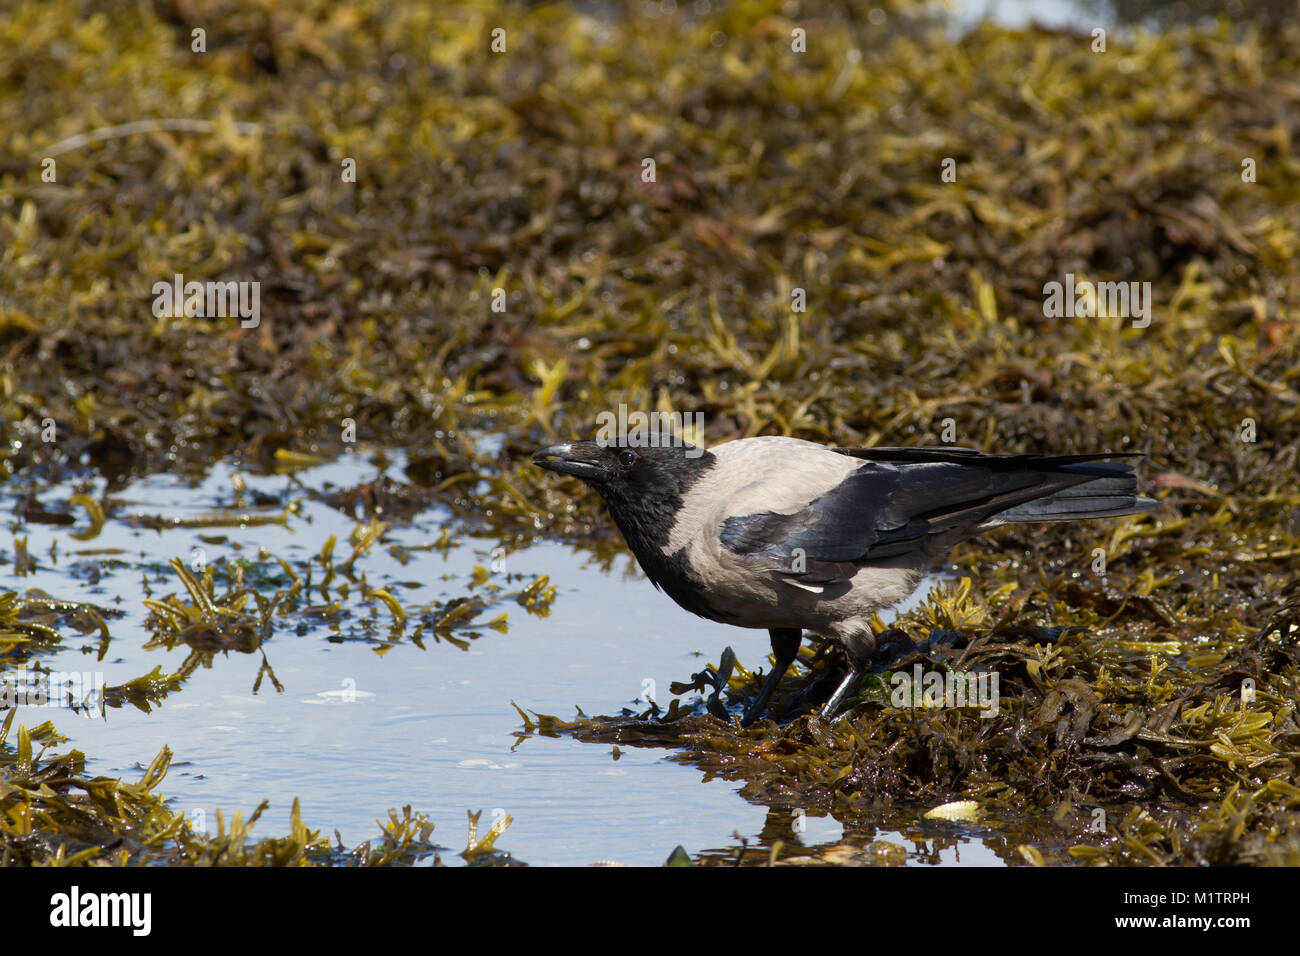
53	814
515	180
230	605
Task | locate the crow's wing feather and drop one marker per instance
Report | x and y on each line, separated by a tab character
902	499
959	454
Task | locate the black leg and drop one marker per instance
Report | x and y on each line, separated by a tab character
846	686
860	649
785	648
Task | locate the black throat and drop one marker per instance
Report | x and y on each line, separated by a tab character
646	514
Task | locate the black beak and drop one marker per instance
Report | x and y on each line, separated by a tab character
571	458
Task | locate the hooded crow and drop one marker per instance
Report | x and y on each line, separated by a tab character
789	535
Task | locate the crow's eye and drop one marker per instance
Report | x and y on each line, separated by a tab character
627	458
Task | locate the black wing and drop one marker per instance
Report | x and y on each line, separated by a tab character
921	498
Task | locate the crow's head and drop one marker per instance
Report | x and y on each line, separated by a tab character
633	470
643	484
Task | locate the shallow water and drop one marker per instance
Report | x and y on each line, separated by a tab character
365	724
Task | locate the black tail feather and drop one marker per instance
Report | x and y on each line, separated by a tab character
1111	494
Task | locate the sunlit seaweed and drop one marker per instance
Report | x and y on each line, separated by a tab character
52	814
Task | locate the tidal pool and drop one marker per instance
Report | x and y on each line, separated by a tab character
366	719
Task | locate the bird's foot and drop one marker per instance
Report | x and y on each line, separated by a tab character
847	686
